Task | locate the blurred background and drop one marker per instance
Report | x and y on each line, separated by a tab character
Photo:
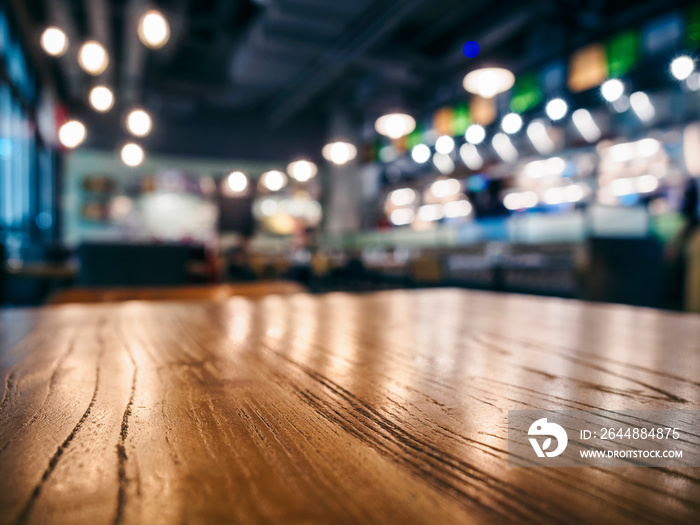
205	148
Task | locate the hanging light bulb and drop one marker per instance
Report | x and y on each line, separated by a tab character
273	180
132	155
54	41
512	123
395	125
93	58
153	29
420	153
339	152
101	98
488	82
139	123
445	144
682	67
475	134
302	170
612	89
72	134
557	109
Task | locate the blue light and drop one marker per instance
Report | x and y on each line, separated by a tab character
471	49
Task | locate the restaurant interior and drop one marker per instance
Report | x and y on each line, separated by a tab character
363	205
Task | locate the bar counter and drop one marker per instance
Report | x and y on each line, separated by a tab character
382	408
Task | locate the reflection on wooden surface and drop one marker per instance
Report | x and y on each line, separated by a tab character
383	408
214	292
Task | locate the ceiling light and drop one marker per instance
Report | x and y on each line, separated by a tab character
586	126
470	157
460	208
488	82
475	134
612	89
153	30
642	106
302	170
402	197
557	109
420	153
236	182
512	123
72	134
54	41
445	145
274	180
682	67
132	155
339	153
101	99
395	125
504	147
445	188
93	58
139	123
402	216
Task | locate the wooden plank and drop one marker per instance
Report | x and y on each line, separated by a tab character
381	408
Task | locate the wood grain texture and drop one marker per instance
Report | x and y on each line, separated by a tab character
382	408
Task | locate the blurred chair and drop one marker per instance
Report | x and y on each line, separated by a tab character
211	293
133	264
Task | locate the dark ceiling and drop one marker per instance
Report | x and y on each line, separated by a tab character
261	78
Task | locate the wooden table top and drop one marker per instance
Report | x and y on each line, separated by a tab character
383	408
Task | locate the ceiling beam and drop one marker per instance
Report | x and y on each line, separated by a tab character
374	25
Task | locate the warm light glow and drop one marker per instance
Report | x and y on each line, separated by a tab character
72	134
339	152
520	201
445	145
612	89
153	30
402	197
237	181
274	180
627	151
101	99
553	167
682	67
420	153
443	163
402	216
504	147
539	136
132	155
488	82
470	157
586	126
430	212
139	123
512	123
302	170
460	208
445	188
54	41
395	125
557	109
93	58
642	106
475	134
